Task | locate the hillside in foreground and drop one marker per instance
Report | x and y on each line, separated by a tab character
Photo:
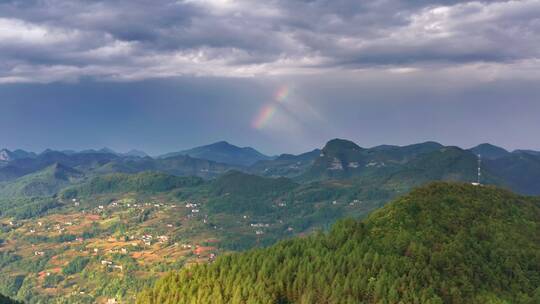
442	243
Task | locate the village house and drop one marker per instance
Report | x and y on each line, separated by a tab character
260	225
147	239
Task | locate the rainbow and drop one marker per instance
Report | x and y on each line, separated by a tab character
282	93
268	110
264	116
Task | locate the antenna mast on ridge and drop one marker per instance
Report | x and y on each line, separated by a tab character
479	168
479	176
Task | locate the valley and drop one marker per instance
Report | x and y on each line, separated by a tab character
99	227
97	244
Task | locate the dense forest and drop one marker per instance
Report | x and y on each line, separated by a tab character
6	300
442	243
149	182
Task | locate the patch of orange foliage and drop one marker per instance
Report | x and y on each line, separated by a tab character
201	250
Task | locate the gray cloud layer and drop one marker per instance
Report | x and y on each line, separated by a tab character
64	40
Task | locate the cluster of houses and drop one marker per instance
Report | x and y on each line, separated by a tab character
260	225
147	239
115	204
111	265
354	202
76	203
59	227
194	207
115	250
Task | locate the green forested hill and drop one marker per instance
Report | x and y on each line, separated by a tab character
45	182
236	192
223	152
442	243
149	182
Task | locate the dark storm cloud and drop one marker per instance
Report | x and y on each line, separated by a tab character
55	40
163	75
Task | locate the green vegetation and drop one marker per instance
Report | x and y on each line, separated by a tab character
62	215
42	183
23	208
76	265
60	254
442	243
6	300
239	192
149	182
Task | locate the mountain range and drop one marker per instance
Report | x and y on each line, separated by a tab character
399	166
411	249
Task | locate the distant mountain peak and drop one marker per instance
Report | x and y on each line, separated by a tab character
7	155
489	151
135	153
223	152
221	143
107	150
103	150
341	144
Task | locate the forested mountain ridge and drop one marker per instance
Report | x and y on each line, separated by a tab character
148	182
489	151
339	159
45	182
442	243
223	152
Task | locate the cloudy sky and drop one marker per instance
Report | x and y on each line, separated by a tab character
279	75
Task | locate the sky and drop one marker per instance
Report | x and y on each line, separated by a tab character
277	75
